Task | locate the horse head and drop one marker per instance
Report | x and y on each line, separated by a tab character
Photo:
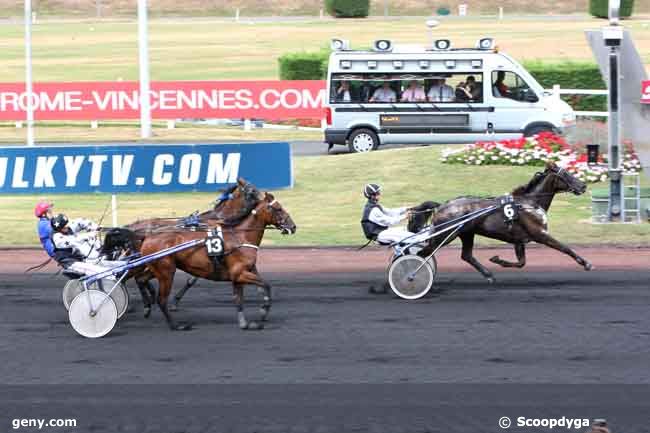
237	201
271	212
421	215
563	180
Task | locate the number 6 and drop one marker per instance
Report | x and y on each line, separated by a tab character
508	211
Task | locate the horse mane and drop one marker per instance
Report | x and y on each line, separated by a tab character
527	188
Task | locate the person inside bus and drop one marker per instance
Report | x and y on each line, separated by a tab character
344	93
384	94
499	88
475	88
414	93
440	91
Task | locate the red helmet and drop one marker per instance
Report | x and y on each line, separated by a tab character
41	208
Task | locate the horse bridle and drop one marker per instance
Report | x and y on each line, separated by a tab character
283	223
558	174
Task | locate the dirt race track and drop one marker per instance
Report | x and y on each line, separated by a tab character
552	323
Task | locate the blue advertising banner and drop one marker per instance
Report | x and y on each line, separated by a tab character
150	168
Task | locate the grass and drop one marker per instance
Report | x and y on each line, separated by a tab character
116	131
328	213
204	49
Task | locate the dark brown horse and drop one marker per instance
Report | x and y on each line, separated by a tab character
532	200
238	201
237	265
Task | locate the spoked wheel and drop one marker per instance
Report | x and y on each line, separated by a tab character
92	314
410	277
71	289
120	295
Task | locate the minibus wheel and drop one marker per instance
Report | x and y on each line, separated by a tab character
536	129
363	140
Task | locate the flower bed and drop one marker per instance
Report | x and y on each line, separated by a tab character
535	151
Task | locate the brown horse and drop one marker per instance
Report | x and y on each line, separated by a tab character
237	265
238	202
532	200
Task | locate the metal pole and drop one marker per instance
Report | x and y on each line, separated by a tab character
614	136
613	36
385	8
28	72
143	45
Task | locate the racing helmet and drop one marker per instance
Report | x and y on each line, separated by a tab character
59	222
41	208
371	190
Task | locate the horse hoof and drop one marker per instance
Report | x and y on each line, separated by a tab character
173	307
147	312
265	313
491	280
588	266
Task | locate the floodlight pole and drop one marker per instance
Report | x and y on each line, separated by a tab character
143	45
28	72
613	36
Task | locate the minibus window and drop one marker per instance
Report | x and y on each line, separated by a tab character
506	84
437	88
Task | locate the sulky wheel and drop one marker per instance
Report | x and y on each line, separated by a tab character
92	314
410	277
71	289
120	295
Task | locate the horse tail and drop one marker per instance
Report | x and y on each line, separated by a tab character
421	215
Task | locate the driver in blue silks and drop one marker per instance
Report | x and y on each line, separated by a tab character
43	211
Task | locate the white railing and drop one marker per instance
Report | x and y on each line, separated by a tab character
557	91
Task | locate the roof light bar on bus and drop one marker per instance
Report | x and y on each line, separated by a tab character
424	64
477	64
340	44
372	64
442	44
485	44
450	64
398	64
346	64
383	45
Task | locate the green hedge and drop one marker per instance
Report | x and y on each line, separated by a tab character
348	8
571	75
303	66
600	8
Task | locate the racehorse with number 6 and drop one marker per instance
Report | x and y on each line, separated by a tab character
531	203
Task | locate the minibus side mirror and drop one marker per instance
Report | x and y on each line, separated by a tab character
531	96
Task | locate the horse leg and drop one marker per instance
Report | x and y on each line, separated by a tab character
191	281
520	251
164	270
253	277
238	293
541	237
144	285
468	245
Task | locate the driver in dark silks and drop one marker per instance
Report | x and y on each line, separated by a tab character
379	223
77	247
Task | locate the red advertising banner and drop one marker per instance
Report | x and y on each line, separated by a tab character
645	92
168	99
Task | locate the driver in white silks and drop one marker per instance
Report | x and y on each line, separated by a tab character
379	223
77	246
